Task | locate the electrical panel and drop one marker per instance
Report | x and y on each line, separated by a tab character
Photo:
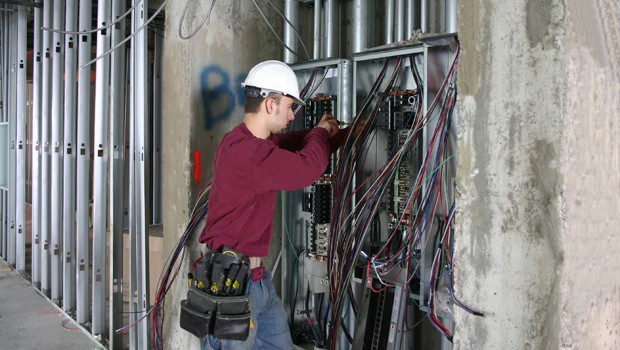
368	245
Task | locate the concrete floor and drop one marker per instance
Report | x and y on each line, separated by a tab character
29	321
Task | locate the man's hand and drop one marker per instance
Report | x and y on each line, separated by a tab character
329	123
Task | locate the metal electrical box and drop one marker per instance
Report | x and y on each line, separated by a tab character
367	246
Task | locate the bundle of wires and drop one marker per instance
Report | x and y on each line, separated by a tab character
172	266
349	227
426	200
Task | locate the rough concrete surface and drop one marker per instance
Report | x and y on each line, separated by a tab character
537	227
201	102
508	228
590	164
30	321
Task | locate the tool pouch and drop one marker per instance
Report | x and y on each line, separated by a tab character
224	317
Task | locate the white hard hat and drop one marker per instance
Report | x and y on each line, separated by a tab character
274	76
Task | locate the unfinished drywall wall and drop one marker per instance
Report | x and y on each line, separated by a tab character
538	158
202	100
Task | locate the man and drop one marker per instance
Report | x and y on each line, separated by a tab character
252	162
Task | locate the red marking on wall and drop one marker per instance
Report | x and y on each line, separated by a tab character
197	170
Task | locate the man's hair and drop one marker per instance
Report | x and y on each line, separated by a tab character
253	99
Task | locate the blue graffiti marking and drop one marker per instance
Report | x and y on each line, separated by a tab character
217	98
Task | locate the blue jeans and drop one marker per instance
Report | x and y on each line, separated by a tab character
269	329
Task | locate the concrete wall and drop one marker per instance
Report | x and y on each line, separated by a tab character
201	102
538	163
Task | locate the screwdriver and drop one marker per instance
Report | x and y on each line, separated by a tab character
237	286
232	275
190	279
217	277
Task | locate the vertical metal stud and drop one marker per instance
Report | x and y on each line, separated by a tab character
156	127
20	144
3	134
56	152
45	145
35	149
117	179
100	169
69	137
82	147
138	149
11	107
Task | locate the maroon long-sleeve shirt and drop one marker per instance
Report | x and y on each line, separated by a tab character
247	172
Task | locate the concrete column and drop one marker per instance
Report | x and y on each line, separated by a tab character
202	100
538	155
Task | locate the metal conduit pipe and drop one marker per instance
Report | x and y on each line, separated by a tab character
316	54
452	24
360	24
411	23
331	28
424	16
291	12
399	15
389	21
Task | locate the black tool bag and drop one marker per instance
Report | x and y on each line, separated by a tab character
217	302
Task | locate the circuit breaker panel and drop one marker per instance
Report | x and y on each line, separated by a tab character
368	261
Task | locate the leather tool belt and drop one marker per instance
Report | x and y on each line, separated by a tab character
218	298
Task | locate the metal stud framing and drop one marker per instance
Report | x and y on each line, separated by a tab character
3	134
156	127
35	150
56	151
20	144
68	224
137	187
117	178
45	144
12	108
100	169
66	140
83	165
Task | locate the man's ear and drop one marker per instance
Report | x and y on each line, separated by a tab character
268	105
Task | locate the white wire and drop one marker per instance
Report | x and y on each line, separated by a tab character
274	31
161	7
95	29
207	17
292	26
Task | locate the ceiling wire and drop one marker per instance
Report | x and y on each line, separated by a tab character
276	34
95	29
148	21
204	20
292	26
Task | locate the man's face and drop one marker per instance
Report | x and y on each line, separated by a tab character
282	115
